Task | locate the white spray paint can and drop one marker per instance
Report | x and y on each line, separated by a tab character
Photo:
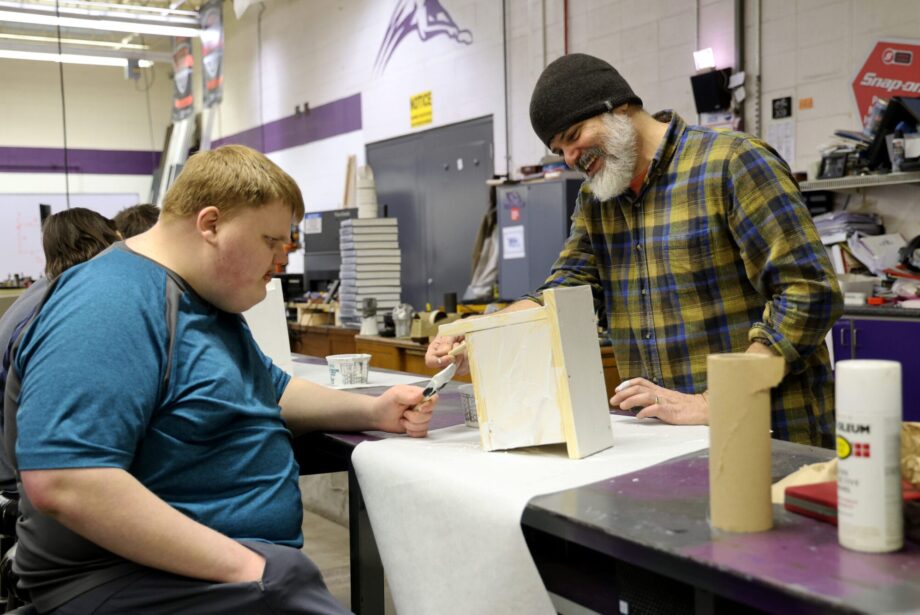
868	401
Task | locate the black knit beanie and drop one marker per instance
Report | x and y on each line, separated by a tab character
572	89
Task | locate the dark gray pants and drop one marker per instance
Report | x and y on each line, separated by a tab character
291	584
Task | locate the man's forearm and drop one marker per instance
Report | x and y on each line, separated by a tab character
112	509
521	304
759	348
306	406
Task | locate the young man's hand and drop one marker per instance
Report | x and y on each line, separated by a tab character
400	410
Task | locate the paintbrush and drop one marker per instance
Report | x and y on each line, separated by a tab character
440	380
455	351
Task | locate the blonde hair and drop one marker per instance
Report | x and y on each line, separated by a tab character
228	178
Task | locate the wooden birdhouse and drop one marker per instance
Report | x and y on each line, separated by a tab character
537	375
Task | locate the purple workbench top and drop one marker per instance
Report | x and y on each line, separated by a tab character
662	512
448	411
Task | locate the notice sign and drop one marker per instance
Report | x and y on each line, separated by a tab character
892	69
420	109
513	242
313	224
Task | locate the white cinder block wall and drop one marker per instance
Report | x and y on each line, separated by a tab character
321	51
105	111
813	49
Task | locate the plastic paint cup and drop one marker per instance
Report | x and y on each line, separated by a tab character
469	405
347	369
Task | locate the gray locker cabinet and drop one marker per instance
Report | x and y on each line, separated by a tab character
541	212
434	183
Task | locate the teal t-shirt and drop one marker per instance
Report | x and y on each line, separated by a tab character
210	440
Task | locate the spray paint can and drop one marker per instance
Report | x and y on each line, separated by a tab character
868	401
873	120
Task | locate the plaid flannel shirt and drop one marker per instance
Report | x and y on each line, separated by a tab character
716	251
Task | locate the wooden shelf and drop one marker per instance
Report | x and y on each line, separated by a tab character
860	181
321	340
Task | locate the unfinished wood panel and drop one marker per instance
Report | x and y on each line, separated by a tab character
321	340
414	362
382	354
579	372
537	375
515	385
342	340
307	340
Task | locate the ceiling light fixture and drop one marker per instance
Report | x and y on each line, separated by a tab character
72	41
704	59
134	7
69	58
88	23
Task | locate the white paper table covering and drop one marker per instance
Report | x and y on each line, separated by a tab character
446	515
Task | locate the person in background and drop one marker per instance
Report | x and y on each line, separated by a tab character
154	437
694	242
136	219
69	238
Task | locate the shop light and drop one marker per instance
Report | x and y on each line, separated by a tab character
704	59
69	58
108	25
71	41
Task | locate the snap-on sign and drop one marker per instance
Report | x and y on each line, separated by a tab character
891	69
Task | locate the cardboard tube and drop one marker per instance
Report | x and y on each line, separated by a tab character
739	440
433	317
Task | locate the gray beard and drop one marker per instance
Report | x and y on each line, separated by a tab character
617	170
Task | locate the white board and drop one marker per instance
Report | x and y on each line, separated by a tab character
268	322
20	225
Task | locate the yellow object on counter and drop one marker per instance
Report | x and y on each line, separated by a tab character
910	453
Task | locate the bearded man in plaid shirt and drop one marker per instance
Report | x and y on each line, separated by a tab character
694	242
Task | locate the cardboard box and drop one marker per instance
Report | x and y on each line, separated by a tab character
855	283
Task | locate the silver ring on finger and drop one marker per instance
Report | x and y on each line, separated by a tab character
657	400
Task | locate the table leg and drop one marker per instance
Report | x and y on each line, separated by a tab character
366	567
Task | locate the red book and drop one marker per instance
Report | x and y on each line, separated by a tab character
819	500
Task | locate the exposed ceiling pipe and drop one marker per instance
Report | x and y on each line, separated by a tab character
57	11
175	4
543	32
740	39
505	76
758	110
565	27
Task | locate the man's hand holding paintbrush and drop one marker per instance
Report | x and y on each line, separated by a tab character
446	349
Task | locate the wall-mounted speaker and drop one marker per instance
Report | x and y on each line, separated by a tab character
710	91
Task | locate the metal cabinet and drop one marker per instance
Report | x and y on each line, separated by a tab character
894	339
434	183
534	220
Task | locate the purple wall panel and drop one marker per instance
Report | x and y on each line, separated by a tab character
51	160
329	120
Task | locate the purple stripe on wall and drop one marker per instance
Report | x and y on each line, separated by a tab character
99	161
329	120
